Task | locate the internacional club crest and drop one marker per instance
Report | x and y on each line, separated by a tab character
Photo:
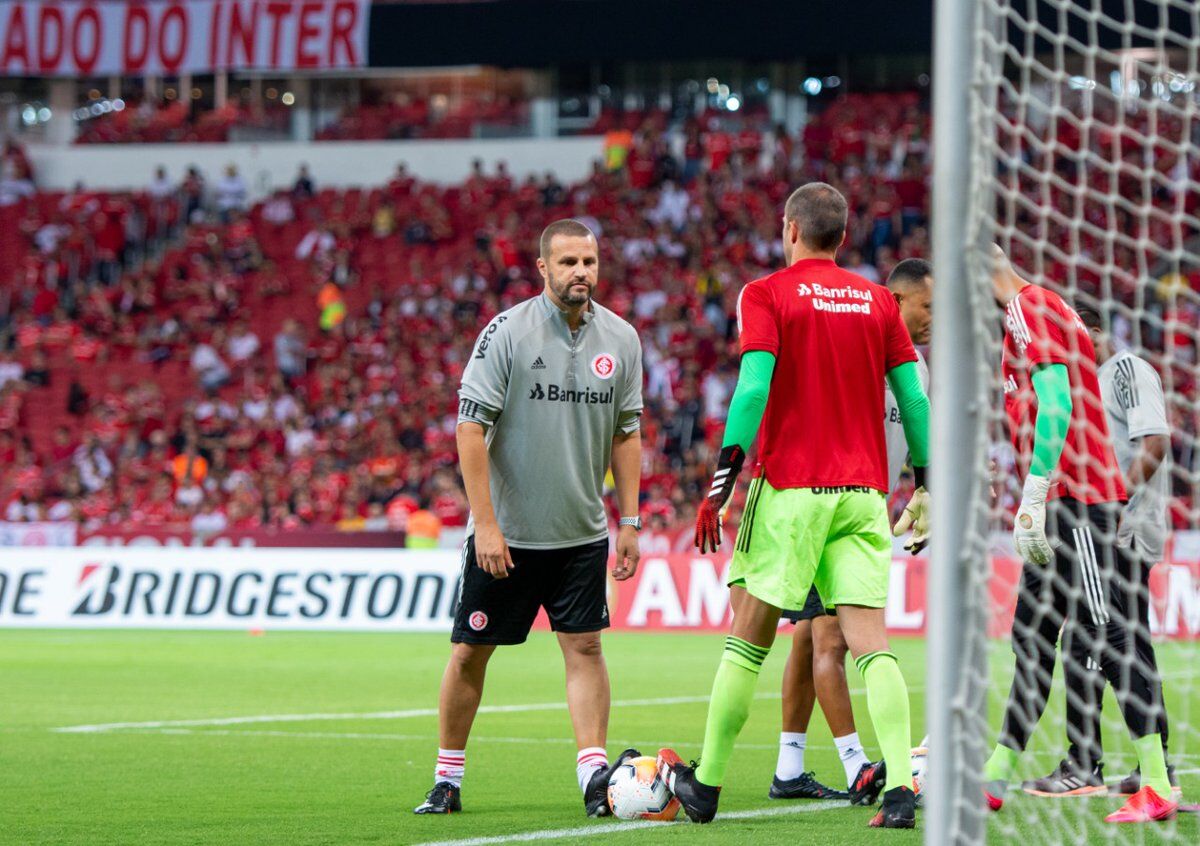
604	366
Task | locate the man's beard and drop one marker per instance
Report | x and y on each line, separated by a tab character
566	293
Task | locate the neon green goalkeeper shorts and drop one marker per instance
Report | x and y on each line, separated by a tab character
838	539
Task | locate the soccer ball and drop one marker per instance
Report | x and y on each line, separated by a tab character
635	792
920	761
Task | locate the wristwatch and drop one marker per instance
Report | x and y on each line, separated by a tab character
636	522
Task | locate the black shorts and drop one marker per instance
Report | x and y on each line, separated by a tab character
1091	581
570	583
811	610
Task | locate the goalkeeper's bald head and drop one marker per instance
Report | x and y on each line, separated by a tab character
1006	282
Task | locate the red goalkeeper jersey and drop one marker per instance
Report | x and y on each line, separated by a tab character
834	336
1042	329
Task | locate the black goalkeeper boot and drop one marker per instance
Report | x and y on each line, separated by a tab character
899	810
699	800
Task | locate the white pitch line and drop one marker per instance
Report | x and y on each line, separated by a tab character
393	715
356	735
374	715
622	827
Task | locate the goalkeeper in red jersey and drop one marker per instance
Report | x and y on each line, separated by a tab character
1074	572
817	343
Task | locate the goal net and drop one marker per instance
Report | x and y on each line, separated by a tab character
1066	135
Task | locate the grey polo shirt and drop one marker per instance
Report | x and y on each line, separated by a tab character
1135	407
551	402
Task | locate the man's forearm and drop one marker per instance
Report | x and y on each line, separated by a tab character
627	471
749	399
473	463
1150	455
913	403
1052	386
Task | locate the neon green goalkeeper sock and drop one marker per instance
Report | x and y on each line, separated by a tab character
733	690
1000	766
1153	764
887	702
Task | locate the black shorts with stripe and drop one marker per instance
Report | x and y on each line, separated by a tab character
1089	595
1091	581
570	583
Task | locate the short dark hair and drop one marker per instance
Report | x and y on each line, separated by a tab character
819	210
1091	318
911	271
567	226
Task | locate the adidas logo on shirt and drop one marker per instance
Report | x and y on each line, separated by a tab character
539	364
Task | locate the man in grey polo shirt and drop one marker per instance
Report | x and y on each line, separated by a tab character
550	399
1137	422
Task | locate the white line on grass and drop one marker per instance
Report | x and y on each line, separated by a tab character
392	715
375	715
622	827
1118	758
357	735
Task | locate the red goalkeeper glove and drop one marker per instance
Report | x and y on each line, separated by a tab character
712	510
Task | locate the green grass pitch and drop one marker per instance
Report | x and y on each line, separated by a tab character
353	775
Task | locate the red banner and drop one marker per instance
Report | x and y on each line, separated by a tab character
677	592
171	37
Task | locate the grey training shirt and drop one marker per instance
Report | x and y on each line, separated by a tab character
551	402
1133	403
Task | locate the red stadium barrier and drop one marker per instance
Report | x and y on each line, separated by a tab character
678	592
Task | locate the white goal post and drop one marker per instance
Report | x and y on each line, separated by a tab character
1066	132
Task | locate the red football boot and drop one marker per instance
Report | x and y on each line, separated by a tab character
1144	806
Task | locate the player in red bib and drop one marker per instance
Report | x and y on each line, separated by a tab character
817	343
1074	573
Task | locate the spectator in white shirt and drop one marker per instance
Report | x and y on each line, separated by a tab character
297	441
189	494
231	192
161	187
278	210
243	344
856	264
208	365
93	465
14	187
289	350
672	206
209	520
10	369
48	236
318	243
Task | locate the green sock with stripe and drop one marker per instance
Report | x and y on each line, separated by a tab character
732	693
887	702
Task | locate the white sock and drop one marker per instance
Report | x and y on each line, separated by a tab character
791	755
851	752
587	762
451	763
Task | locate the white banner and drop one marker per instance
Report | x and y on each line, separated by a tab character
358	589
171	37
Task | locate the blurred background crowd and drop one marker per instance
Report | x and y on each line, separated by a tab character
180	356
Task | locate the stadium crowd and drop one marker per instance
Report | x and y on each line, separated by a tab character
179	357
